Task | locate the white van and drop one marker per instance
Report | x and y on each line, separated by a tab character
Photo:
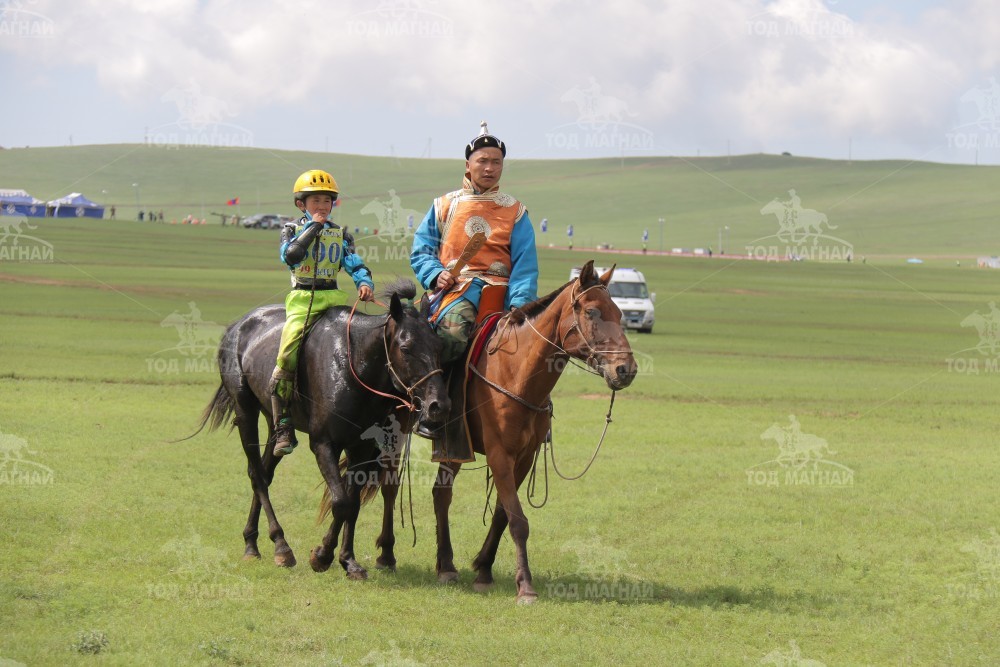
628	291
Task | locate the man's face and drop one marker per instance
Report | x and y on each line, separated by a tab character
484	168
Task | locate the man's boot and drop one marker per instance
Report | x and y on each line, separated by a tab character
284	433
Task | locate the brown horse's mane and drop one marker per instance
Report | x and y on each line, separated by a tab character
538	305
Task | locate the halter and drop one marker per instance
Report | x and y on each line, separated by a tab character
576	325
410	405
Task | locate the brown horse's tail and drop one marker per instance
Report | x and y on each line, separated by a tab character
372	483
216	413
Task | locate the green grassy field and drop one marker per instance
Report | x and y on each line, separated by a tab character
879	207
691	541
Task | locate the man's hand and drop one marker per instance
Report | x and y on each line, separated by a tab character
445	280
365	293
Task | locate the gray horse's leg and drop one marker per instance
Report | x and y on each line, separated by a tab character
386	540
345	504
261	473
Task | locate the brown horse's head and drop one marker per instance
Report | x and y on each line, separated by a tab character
592	331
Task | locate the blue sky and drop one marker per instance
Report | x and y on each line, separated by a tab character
555	79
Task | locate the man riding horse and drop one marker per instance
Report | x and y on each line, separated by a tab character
501	274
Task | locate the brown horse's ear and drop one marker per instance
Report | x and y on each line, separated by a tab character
606	278
395	307
425	305
587	273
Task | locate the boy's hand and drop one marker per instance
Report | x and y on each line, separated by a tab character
365	293
319	218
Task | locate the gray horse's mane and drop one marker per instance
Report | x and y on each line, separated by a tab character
401	287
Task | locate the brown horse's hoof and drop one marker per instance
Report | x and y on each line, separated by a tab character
357	574
317	564
285	559
385	567
527	598
251	554
447	577
482	586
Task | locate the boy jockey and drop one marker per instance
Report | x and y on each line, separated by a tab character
314	249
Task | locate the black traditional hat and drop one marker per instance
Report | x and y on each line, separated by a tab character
484	140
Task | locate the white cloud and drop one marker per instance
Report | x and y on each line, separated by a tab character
757	71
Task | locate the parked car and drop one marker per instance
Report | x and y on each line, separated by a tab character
259	220
266	221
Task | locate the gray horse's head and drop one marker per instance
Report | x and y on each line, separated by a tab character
414	355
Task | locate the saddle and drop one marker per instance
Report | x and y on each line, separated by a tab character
456	445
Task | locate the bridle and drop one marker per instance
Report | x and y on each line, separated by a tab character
592	352
413	404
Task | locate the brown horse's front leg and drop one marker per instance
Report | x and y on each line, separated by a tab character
443	486
483	563
507	480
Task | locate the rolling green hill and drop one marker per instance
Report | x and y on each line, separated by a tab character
881	207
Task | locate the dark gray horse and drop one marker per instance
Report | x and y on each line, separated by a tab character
355	372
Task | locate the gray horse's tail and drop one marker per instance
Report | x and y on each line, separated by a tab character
368	492
216	413
219	409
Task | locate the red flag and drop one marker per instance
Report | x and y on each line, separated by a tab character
233	202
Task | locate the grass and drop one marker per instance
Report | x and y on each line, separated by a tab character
879	207
669	551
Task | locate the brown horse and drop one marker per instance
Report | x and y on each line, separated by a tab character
508	405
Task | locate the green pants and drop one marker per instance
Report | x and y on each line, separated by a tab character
296	307
454	328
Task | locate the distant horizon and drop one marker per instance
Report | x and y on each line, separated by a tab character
510	158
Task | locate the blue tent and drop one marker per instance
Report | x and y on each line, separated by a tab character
19	202
75	205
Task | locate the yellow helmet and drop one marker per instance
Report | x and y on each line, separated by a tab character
315	181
